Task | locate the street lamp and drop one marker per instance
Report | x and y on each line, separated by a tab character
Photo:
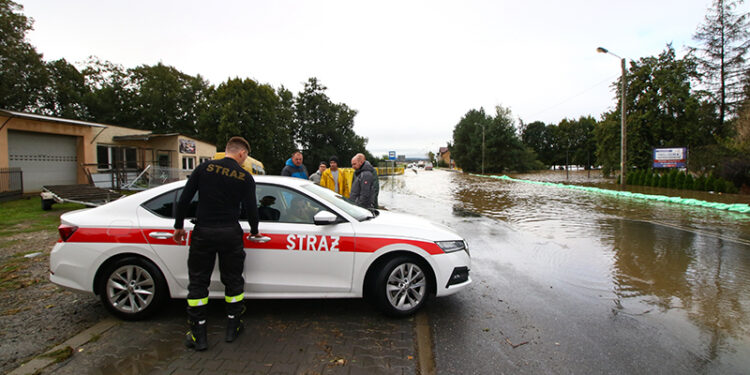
623	134
482	148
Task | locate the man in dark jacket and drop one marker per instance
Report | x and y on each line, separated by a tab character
294	167
224	187
365	186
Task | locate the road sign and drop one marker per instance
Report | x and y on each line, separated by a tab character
392	155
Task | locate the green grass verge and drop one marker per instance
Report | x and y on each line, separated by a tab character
26	215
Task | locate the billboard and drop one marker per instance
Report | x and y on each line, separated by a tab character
670	157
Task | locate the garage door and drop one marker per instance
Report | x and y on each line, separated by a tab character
45	159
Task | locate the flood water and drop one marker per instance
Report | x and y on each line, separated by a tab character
682	269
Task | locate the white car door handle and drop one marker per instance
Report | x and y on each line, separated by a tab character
262	239
161	235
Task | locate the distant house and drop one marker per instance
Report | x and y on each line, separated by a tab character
57	151
444	156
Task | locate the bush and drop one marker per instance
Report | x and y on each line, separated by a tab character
680	181
689	181
699	183
664	180
655	180
719	185
710	183
672	179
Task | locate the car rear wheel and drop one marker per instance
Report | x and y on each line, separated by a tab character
401	286
132	288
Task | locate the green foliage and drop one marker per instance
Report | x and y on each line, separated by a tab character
503	149
689	182
724	36
166	100
23	75
249	109
325	128
664	181
672	179
656	180
719	185
663	111
710	182
66	92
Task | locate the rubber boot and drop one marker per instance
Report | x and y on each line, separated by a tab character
235	325
197	338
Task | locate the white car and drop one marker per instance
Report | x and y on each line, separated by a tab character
123	251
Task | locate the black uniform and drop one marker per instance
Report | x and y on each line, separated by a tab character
222	186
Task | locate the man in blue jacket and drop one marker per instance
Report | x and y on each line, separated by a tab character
294	167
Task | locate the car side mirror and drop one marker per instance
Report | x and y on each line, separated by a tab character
325	218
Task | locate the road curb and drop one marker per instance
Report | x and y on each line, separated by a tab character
57	354
426	364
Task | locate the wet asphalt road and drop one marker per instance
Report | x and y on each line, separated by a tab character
572	290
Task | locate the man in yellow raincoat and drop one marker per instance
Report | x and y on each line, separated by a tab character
336	179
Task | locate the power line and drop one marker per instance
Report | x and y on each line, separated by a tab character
608	79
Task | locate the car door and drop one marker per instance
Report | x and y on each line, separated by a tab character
301	257
156	219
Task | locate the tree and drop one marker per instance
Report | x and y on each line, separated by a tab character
66	92
503	149
725	41
109	98
166	100
540	138
246	108
324	128
663	111
431	157
575	139
23	76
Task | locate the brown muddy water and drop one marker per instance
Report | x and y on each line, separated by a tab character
684	269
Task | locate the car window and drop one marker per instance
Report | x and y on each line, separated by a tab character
277	203
337	200
164	205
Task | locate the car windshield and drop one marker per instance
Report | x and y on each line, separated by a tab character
337	200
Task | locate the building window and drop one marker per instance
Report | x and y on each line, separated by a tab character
204	159
111	157
163	157
188	163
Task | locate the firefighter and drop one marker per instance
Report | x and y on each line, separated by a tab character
222	185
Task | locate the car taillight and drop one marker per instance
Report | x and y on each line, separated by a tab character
66	231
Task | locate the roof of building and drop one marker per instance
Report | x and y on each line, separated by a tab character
443	150
32	116
142	137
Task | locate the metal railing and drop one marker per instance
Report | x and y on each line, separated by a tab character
11	183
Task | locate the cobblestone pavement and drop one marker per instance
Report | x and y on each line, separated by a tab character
280	337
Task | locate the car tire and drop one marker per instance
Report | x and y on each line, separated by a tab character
401	286
132	288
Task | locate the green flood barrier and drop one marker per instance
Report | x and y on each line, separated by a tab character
734	207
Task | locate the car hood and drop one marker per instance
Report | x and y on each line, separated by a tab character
394	224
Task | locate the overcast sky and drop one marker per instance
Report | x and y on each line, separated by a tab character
411	69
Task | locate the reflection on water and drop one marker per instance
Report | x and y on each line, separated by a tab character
687	268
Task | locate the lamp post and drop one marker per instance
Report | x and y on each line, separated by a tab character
623	128
482	148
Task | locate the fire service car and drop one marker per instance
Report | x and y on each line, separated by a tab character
315	245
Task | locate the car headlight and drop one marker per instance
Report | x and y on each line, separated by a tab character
452	246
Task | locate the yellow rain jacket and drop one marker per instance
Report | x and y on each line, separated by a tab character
345	180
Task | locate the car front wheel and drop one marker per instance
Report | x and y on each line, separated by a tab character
132	288
401	286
